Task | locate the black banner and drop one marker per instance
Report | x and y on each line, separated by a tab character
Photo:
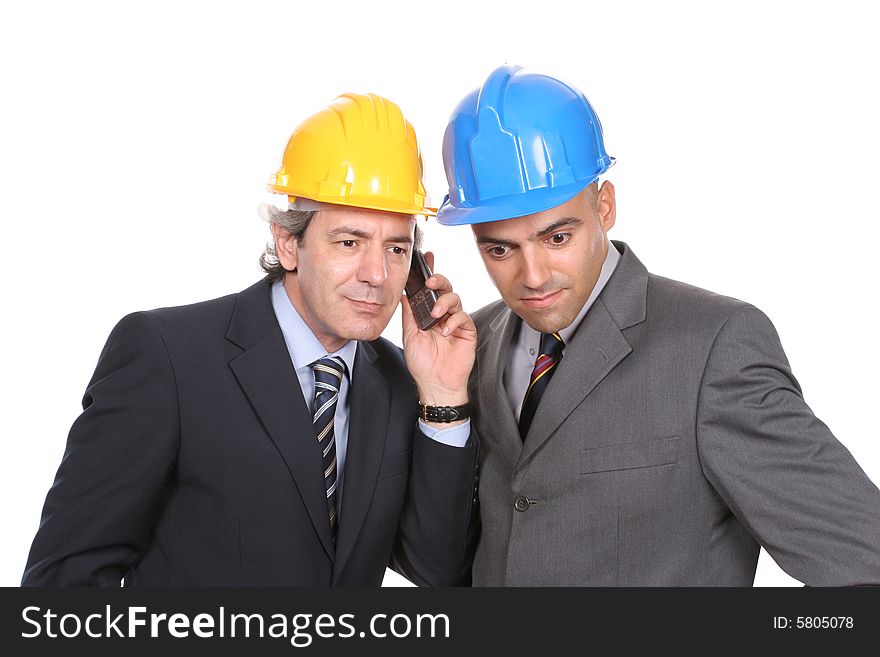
430	621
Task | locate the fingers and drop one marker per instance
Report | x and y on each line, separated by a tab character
439	283
457	321
447	304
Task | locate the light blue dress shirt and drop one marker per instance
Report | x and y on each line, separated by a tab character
304	349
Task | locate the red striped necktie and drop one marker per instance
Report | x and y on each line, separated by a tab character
545	366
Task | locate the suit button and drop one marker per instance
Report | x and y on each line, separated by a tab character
521	503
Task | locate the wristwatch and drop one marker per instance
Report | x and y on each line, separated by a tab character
444	413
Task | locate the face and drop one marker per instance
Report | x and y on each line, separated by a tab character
351	266
546	264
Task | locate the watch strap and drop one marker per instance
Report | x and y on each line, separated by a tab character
444	413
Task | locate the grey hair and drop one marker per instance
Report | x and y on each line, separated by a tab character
295	222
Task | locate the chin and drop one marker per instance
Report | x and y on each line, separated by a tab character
363	331
545	323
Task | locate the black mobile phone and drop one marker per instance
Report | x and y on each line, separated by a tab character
421	299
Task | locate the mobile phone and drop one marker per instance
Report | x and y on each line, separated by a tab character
421	299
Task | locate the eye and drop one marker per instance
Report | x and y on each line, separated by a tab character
559	239
348	243
498	251
398	250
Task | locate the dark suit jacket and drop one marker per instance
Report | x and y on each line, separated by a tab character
194	462
672	441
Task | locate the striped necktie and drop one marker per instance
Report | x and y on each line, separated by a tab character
328	380
545	366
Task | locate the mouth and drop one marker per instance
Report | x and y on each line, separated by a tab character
543	301
367	306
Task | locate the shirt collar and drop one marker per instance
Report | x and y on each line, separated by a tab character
302	345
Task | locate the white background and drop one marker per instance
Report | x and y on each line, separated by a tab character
136	140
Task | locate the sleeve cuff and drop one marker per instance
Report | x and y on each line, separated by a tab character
453	436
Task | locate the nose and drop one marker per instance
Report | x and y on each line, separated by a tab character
373	269
534	270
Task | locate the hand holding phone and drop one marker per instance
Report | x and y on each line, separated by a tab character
421	299
440	360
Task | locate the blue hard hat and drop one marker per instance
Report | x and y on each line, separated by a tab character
520	144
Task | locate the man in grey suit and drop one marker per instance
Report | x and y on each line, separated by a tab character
636	431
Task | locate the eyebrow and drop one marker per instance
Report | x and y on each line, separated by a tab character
566	222
362	234
494	240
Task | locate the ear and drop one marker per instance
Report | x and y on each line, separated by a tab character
606	205
285	247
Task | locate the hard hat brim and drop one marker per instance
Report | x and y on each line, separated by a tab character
509	207
425	211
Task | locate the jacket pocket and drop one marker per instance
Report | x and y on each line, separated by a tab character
628	456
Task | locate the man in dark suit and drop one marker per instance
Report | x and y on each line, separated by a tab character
271	437
635	431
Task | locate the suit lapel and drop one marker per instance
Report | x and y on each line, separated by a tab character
492	402
369	406
267	377
597	347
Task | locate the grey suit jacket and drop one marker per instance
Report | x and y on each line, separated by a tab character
671	443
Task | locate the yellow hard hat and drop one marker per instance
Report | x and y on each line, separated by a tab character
358	151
